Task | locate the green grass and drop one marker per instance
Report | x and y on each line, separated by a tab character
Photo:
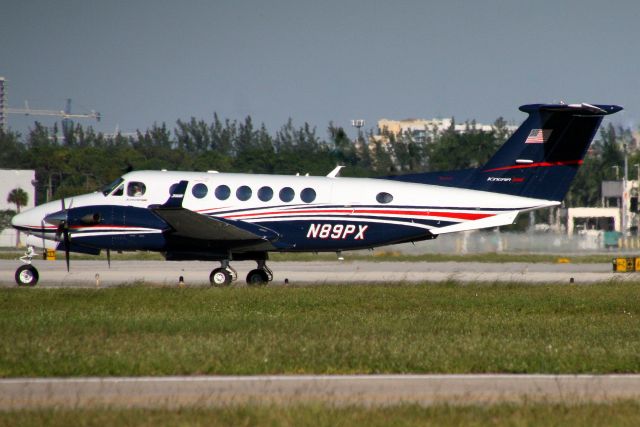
624	413
427	328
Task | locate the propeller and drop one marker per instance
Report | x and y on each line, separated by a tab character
109	257
65	234
61	219
42	231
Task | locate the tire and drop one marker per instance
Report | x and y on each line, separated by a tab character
27	275
257	277
220	277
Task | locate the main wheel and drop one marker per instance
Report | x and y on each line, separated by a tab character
27	275
257	277
220	277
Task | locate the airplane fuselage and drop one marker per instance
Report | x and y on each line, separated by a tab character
308	213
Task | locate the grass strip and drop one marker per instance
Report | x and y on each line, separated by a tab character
363	329
623	413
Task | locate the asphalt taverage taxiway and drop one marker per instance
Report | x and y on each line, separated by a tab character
92	273
176	392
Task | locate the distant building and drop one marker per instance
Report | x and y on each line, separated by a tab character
9	180
422	130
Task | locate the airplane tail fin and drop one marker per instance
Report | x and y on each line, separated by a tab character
542	157
539	160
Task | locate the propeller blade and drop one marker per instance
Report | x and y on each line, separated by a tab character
109	257
42	229
66	247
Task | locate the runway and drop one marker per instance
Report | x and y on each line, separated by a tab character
368	390
92	273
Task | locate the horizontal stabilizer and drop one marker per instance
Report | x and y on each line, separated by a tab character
492	221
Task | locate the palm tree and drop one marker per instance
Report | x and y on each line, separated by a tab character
20	198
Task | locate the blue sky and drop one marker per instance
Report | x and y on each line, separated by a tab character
140	62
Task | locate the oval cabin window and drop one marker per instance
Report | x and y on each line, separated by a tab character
384	198
222	192
199	191
308	195
243	193
287	194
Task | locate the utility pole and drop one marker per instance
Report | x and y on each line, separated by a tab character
625	193
358	124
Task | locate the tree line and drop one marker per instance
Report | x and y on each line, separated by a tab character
78	159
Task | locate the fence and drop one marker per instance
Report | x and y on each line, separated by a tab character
483	242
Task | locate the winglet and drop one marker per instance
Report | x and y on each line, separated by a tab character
177	195
334	173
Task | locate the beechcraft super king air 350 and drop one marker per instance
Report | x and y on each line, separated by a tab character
228	217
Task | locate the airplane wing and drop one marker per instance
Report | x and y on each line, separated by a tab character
193	225
187	223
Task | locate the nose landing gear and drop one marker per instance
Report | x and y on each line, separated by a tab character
27	275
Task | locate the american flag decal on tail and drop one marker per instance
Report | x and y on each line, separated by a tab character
538	136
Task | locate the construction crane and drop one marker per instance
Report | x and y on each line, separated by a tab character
65	114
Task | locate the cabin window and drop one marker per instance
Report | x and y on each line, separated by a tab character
222	192
308	195
243	193
136	189
199	190
287	194
265	194
384	197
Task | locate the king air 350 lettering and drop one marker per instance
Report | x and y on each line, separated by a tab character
337	231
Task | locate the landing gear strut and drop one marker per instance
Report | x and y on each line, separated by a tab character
27	274
225	274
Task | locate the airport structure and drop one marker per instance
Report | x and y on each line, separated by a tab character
10	180
423	130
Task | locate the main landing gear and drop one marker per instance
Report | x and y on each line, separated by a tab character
27	274
224	275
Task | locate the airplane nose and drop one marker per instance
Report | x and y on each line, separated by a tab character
29	220
17	221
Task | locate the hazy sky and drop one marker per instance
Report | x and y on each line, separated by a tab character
139	62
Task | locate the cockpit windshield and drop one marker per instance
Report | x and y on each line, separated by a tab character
107	189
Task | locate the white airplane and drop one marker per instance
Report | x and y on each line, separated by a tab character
231	216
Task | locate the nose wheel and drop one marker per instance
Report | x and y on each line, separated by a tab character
27	274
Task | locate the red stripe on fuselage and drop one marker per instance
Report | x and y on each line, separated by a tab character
457	215
537	165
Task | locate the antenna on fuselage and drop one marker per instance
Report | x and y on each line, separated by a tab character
334	173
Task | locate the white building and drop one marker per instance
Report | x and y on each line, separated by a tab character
11	179
423	129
